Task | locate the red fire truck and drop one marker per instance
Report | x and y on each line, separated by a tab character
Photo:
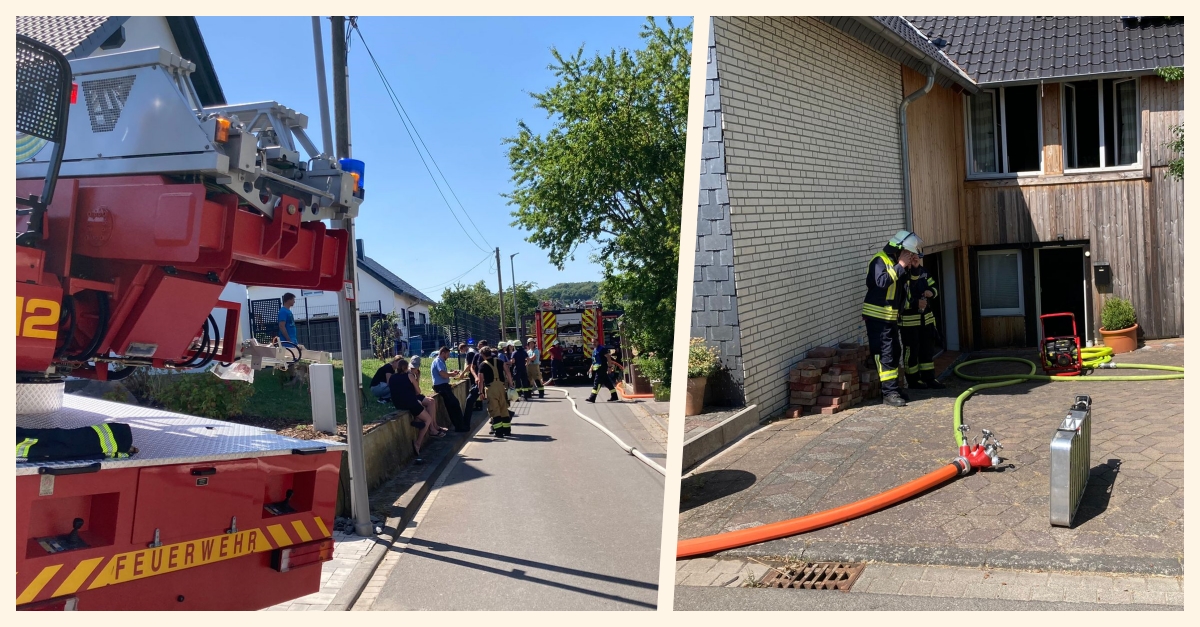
577	327
136	206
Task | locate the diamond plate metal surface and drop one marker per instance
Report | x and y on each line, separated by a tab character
39	398
64	32
164	437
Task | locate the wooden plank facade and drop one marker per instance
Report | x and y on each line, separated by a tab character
1131	219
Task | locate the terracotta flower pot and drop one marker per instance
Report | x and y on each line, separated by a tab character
1121	340
695	396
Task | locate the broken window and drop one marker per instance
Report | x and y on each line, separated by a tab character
1004	129
1100	124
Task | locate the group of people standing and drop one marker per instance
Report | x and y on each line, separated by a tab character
901	328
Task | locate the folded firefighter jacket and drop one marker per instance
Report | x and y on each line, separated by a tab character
108	440
885	293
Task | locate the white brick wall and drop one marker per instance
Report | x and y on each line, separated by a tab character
815	188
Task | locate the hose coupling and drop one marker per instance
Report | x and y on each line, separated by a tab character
1107	365
964	466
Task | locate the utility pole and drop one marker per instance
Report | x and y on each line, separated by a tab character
347	312
500	282
322	93
516	310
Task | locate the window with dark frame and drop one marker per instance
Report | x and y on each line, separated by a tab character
1100	124
1004	130
1000	291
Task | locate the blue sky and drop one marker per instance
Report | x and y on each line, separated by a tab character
465	82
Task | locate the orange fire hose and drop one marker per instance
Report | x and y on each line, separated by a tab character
811	522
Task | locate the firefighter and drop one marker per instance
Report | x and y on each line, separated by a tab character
520	370
602	362
887	276
534	369
493	380
918	329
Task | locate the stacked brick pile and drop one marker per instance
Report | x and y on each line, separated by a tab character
868	376
829	380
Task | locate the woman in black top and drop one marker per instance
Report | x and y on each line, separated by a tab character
406	398
379	382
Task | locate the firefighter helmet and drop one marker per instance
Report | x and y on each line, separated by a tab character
907	240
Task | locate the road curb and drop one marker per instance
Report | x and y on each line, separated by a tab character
410	502
717	438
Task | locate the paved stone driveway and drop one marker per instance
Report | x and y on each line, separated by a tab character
1131	520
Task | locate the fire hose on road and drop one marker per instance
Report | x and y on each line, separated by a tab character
981	454
628	449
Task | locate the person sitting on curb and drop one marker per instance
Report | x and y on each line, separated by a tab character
422	411
379	382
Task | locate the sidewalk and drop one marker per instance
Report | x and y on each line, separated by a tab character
956	583
1130	521
396	501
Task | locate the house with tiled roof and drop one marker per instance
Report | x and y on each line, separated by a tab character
82	36
380	292
1028	152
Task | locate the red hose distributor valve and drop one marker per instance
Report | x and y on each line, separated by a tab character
983	453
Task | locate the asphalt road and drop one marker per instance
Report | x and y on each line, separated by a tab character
556	518
702	598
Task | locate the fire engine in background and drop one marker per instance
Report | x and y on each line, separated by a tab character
160	204
577	327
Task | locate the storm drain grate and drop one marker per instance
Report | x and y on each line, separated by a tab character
815	576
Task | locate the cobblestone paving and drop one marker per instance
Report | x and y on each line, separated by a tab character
958	582
1131	519
348	550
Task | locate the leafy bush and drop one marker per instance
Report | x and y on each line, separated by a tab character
703	360
203	395
145	384
653	367
1117	314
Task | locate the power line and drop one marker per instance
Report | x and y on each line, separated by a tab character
488	256
402	114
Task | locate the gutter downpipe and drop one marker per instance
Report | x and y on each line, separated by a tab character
908	206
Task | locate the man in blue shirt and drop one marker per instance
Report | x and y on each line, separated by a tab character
287	321
441	385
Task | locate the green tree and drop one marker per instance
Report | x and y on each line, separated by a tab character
1175	167
475	299
611	171
583	290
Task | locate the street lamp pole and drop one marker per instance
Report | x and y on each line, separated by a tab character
516	314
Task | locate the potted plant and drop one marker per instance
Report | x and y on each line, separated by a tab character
1118	325
658	371
703	362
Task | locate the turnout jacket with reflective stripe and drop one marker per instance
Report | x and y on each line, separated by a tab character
916	285
107	440
885	280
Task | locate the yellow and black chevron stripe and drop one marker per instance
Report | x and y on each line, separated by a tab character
70	577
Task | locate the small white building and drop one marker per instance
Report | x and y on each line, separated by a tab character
380	291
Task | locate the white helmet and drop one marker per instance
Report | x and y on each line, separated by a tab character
907	240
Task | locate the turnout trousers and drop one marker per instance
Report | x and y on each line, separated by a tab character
497	403
521	378
534	374
601	378
884	339
918	352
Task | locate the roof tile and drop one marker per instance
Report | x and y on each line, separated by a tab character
997	49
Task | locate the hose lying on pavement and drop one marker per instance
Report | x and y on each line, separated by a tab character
1092	358
628	449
